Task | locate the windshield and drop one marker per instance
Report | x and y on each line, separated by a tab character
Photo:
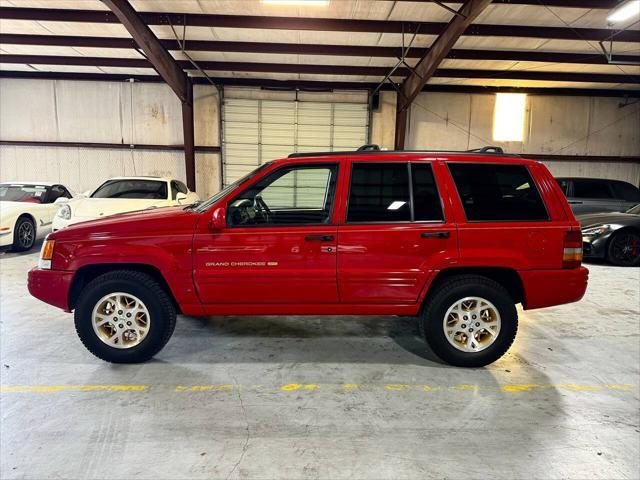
217	196
635	210
22	193
141	189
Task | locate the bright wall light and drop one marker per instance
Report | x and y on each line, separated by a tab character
624	12
508	117
298	3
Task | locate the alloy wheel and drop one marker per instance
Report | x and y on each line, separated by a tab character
26	234
625	248
121	320
471	324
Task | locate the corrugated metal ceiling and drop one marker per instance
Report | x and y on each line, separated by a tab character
410	11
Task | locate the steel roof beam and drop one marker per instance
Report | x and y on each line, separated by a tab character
599	4
168	69
428	65
310	49
318	85
296	68
314	24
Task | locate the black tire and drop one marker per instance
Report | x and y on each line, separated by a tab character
624	249
453	290
24	235
161	309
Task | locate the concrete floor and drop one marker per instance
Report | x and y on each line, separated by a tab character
336	397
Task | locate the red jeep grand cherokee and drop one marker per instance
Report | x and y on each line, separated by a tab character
456	238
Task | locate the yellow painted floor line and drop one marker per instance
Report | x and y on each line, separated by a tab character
66	388
310	387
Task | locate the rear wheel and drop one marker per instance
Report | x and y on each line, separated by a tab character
124	317
624	249
24	234
470	321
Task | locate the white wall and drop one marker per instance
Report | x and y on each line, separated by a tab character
554	126
102	112
383	122
144	113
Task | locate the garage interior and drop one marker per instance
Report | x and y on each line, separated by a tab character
207	90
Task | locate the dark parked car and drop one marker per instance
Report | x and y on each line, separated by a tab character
614	237
594	195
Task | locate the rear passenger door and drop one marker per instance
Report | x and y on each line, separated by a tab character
394	233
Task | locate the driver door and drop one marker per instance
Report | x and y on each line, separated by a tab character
279	245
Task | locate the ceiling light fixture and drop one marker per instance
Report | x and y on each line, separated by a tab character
624	12
298	3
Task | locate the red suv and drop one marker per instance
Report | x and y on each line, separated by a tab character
457	239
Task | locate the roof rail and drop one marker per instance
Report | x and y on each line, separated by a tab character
369	148
488	149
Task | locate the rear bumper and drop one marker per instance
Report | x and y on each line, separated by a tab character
50	286
545	288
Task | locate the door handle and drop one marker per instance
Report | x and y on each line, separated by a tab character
435	234
574	202
319	238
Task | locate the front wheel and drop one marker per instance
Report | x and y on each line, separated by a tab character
124	317
624	249
470	321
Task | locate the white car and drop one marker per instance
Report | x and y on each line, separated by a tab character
27	210
121	195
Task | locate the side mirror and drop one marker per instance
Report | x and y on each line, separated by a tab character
60	200
218	219
180	197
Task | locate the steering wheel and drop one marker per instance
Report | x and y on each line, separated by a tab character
263	208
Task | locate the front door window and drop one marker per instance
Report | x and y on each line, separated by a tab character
300	195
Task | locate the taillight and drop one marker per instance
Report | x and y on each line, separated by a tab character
572	253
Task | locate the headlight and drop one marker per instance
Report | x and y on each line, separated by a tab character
599	230
46	254
64	212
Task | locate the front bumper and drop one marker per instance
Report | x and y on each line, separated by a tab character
51	286
546	288
595	246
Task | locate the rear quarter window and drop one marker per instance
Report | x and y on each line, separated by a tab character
627	192
491	192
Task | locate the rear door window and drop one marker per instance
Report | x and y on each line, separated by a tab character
379	192
491	192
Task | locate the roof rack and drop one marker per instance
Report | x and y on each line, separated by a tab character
369	148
